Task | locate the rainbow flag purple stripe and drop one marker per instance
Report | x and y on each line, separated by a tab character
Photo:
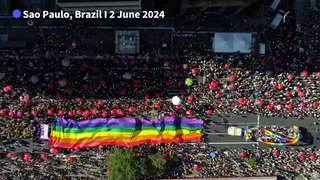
128	132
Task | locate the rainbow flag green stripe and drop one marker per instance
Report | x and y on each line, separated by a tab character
127	132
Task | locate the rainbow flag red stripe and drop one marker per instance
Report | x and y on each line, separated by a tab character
128	132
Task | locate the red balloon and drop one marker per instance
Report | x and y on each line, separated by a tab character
87	111
26	99
313	158
19	114
11	114
290	107
303	105
209	112
298	89
227	65
56	151
44	157
50	112
27	157
270	107
214	85
34	113
189	112
318	74
190	98
276	153
61	113
290	77
280	86
79	100
70	159
243	154
302	153
232	77
301	94
11	155
232	87
70	113
302	158
85	115
2	112
288	93
157	107
260	103
131	110
243	101
219	95
95	112
315	104
10	87
100	103
275	86
104	114
121	113
79	112
196	167
6	89
172	114
178	107
113	112
194	71
305	73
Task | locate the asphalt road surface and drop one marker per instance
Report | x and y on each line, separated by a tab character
216	131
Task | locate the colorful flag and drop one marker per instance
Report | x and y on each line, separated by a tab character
127	132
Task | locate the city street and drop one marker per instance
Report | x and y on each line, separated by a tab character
216	132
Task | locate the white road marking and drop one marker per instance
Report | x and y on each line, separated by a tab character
222	123
231	143
215	133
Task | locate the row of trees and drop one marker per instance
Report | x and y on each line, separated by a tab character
123	164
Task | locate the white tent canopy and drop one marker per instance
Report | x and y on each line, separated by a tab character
232	42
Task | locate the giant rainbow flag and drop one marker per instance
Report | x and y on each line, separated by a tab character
128	132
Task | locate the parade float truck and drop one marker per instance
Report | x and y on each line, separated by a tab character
274	135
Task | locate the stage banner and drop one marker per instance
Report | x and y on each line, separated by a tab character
128	132
44	131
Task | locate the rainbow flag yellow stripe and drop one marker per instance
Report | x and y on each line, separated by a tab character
127	132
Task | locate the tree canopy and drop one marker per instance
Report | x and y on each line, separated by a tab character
123	164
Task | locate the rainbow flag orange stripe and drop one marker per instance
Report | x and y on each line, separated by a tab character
128	132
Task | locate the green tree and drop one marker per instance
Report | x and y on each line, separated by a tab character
252	161
157	166
122	164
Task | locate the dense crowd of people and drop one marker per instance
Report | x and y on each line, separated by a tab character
61	76
183	160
